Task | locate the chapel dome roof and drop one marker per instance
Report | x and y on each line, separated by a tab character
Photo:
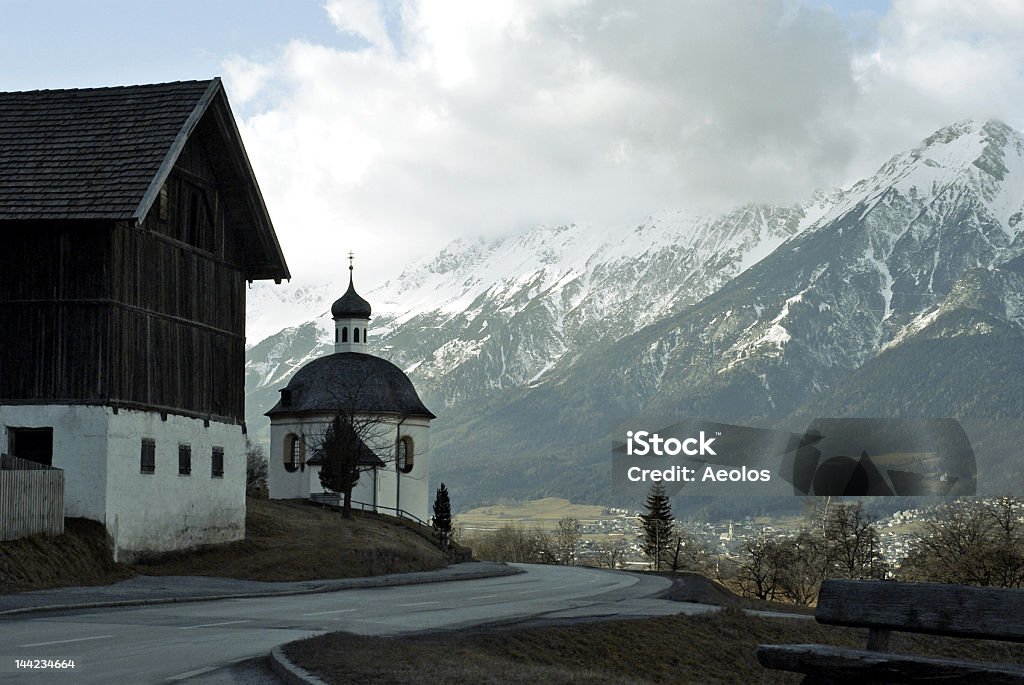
350	305
348	381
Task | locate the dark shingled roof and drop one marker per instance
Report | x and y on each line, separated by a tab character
350	305
104	154
351	381
89	153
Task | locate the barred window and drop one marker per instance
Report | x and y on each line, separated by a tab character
184	460
148	455
405	456
292	453
217	463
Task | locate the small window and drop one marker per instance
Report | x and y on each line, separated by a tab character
292	453
355	335
33	444
344	334
365	339
217	463
184	460
405	457
336	334
148	456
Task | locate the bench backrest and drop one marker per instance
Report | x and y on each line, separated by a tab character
956	610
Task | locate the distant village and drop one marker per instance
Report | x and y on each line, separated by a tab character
724	539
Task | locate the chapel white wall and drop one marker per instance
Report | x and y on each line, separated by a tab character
386	488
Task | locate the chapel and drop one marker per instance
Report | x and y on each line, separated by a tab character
371	392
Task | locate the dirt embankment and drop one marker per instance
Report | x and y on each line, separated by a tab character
81	556
285	540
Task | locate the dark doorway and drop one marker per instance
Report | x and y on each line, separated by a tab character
34	444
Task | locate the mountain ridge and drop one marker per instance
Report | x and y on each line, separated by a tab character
756	315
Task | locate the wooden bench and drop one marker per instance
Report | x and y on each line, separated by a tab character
328	499
885	606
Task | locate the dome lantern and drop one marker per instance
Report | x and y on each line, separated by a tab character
351	314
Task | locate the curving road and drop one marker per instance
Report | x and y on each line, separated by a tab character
181	642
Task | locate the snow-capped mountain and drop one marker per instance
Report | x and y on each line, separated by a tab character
531	349
481	316
831	298
778	341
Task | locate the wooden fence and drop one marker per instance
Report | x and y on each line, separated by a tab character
31	498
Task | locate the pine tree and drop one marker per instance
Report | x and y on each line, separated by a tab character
443	516
657	523
340	469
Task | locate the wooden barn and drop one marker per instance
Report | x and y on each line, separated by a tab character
130	224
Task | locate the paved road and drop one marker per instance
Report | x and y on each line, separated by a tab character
181	642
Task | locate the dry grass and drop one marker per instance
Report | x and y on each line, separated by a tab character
81	556
694	587
717	648
285	540
294	540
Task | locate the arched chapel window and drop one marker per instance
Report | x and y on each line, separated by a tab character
344	334
355	335
405	454
292	453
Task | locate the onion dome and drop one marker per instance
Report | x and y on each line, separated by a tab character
350	305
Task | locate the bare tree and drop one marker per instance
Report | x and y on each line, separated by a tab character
851	542
801	564
976	542
687	551
565	540
610	554
345	448
513	542
1007	555
256	469
757	572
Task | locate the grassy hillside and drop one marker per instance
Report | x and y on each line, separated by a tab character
285	540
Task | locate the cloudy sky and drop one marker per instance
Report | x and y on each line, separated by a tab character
391	127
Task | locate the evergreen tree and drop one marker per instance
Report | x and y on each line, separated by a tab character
340	449
443	516
657	524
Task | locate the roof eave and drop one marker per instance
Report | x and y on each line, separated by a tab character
273	266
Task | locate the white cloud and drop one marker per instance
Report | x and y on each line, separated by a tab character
935	62
362	18
487	117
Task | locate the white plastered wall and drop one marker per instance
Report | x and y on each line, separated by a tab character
79	447
100	452
164	510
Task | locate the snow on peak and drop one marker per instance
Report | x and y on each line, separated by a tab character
986	156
